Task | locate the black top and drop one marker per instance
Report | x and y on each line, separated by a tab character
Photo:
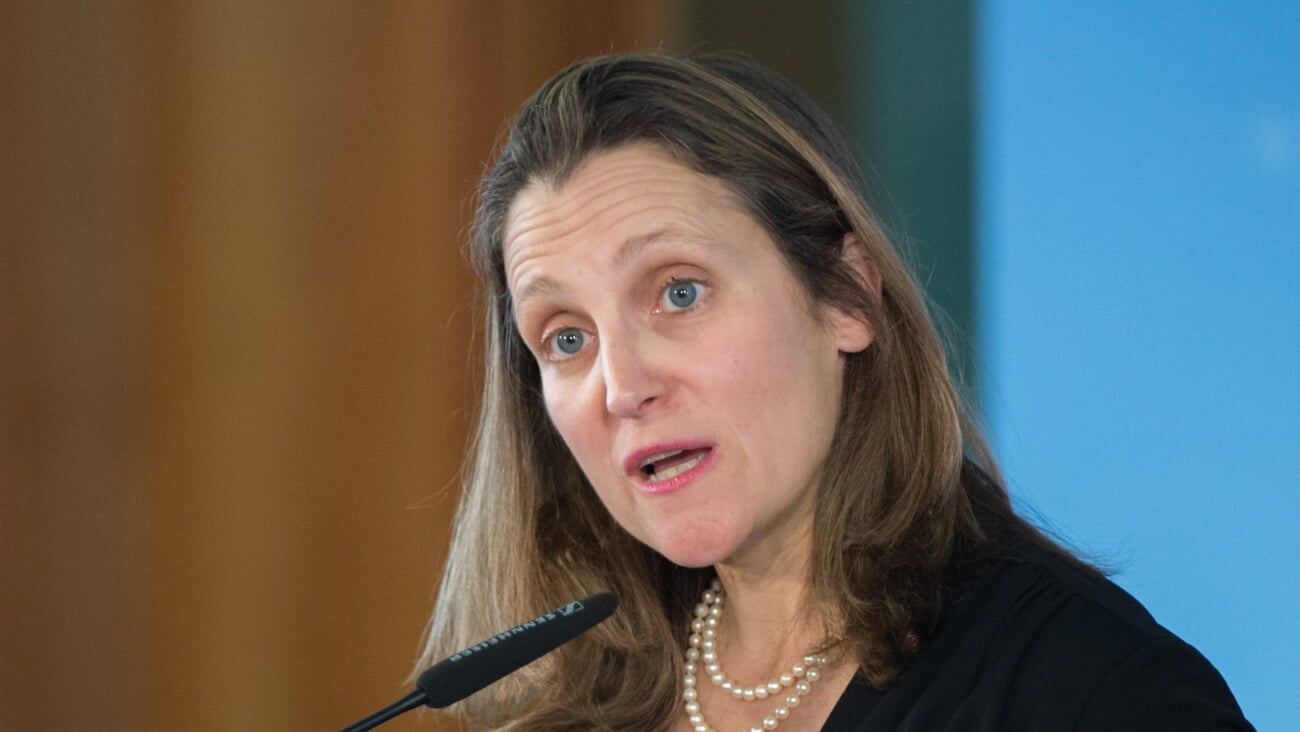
1038	645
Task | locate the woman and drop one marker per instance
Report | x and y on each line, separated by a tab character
713	387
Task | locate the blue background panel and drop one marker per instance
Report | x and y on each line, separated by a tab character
1138	218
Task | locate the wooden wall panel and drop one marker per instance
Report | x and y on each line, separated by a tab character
22	519
239	343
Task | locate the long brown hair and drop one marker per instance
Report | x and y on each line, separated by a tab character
905	479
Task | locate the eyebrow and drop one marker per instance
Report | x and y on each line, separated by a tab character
627	251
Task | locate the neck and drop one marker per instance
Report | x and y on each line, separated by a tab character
777	669
770	619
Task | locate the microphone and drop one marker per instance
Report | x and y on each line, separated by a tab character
470	670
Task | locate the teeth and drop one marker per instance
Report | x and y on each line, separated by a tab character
645	464
677	470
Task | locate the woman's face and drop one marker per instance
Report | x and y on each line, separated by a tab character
680	359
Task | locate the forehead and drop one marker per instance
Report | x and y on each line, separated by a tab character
616	195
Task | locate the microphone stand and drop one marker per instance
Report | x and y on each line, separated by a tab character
401	706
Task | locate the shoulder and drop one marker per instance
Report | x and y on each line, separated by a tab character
1035	643
1076	651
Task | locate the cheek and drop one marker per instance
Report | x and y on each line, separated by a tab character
579	431
585	436
771	358
559	410
794	380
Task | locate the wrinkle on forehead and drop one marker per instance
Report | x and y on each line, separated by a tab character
545	216
628	251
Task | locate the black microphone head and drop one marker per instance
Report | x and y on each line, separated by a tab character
464	673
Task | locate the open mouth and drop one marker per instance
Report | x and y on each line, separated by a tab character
671	464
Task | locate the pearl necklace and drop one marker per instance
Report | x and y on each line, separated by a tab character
702	648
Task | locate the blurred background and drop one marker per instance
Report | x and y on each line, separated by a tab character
238	340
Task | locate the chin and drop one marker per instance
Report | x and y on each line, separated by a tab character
695	548
691	561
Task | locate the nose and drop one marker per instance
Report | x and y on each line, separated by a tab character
632	382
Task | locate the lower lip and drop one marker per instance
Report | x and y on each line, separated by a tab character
677	482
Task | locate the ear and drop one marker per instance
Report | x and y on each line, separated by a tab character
852	331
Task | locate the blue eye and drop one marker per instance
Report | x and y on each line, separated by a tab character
570	340
682	294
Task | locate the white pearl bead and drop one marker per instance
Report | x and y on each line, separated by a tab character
702	650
